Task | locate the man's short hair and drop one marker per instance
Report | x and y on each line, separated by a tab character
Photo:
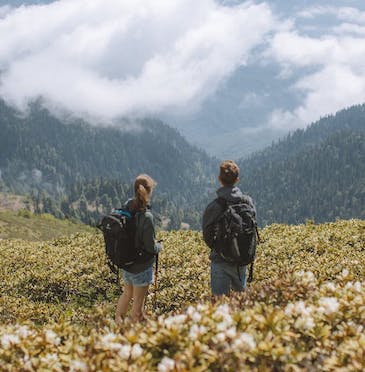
229	172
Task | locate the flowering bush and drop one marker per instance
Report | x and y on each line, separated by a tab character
305	309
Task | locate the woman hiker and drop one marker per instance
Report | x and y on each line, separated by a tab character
138	277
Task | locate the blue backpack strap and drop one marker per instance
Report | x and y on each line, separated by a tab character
123	212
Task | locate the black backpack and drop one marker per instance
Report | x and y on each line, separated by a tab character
235	232
119	230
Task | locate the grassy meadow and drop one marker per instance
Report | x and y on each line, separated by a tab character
305	309
23	224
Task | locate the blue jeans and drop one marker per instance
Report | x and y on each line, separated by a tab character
142	279
225	276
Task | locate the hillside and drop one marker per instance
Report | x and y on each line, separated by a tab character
28	226
305	307
317	173
69	168
48	158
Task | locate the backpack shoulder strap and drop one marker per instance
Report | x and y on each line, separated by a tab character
222	202
245	199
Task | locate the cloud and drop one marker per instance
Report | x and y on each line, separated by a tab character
105	59
303	51
280	119
330	68
349	28
108	58
327	91
4	11
349	14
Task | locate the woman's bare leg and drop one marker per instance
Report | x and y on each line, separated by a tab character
123	302
139	296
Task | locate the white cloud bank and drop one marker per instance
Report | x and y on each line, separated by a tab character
337	62
107	58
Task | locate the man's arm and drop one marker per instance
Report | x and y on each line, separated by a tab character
210	216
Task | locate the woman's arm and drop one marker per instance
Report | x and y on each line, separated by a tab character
150	244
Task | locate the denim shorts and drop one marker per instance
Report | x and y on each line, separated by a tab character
142	279
225	277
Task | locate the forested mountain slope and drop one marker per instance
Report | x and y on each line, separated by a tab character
77	170
317	173
40	153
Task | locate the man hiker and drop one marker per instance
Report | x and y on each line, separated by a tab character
225	275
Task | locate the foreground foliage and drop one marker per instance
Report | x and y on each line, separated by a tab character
304	311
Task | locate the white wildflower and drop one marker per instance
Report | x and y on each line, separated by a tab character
329	304
298	309
222	310
306	276
349	285
357	286
50	359
330	286
175	320
27	363
125	351
137	351
289	309
320	310
220	337
52	338
196	317
108	342
301	309
8	340
224	325
345	273
166	365
108	338
304	322
191	310
245	342
196	331
231	332
78	366
201	307
23	331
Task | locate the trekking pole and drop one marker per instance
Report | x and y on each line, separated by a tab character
258	235
250	275
156	274
118	282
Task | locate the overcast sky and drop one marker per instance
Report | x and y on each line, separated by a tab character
110	58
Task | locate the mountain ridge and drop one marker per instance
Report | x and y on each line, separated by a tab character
41	153
316	173
81	171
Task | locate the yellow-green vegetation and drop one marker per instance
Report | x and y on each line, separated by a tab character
23	224
304	311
